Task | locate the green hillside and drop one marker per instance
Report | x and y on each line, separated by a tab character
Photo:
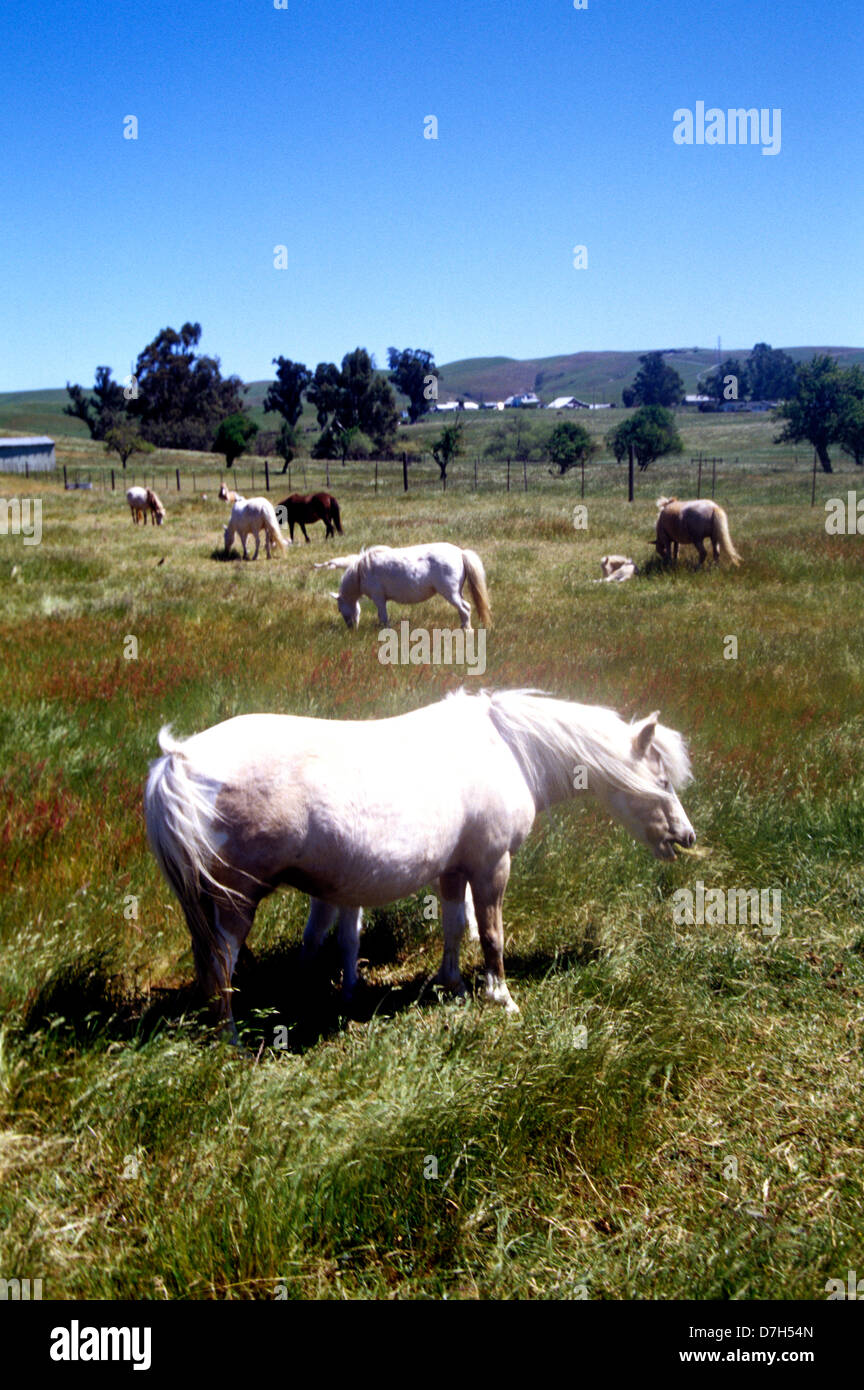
600	376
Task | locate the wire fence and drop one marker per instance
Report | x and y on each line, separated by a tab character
700	475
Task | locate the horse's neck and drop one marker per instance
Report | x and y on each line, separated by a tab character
350	587
548	750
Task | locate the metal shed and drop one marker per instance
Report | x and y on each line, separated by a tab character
31	454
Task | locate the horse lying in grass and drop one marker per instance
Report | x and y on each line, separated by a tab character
410	575
362	813
251	516
692	523
317	506
144	499
616	568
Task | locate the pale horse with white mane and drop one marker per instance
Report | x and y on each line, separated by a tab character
362	813
251	516
410	575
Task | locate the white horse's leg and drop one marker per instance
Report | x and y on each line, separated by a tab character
379	598
318	923
348	935
454	921
215	963
488	891
463	608
257	543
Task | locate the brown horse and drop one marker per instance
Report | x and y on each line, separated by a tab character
318	506
692	523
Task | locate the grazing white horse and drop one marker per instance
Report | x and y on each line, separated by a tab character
410	575
361	813
144	499
251	516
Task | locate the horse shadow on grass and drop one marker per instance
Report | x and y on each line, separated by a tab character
278	1002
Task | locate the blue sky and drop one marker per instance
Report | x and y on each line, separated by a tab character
303	127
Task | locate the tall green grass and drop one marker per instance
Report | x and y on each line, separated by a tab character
676	1112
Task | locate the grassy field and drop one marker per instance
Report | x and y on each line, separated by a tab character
677	1111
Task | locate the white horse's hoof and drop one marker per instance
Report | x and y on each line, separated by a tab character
498	993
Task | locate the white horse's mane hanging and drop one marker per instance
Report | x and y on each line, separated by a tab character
550	737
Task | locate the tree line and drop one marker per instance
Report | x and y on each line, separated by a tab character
177	398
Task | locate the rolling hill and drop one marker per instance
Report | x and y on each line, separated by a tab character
600	376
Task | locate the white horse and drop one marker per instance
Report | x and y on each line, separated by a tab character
251	516
361	813
616	568
410	575
144	499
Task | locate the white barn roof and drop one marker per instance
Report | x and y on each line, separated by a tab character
27	441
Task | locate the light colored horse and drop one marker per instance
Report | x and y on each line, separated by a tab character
251	516
692	523
616	568
144	499
362	813
410	575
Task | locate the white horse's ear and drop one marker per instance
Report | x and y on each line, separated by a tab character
644	734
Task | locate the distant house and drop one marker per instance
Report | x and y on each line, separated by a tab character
492	405
566	403
526	400
447	405
698	400
30	454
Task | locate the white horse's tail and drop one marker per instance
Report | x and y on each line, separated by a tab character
181	824
271	525
475	578
722	536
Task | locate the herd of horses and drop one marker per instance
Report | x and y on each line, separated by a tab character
361	813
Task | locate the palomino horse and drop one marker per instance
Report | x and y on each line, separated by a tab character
692	523
144	499
318	506
362	813
251	516
410	575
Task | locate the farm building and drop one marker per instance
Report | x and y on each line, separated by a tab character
33	454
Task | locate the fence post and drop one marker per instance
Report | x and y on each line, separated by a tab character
26	468
194	484
404	472
177	472
65	479
376	476
508	475
267	475
713	475
525	473
699	477
813	489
